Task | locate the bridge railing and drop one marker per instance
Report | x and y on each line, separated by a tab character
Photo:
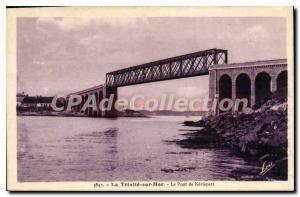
193	64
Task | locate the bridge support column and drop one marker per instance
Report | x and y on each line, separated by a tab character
273	83
111	113
233	91
98	99
212	90
252	97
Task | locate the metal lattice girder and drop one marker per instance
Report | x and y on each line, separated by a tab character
193	64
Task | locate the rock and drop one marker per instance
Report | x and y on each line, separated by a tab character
248	111
254	133
279	107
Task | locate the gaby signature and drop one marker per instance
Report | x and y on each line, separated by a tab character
266	167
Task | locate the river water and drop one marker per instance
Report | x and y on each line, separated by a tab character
124	149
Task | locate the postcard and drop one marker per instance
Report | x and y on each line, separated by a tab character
150	99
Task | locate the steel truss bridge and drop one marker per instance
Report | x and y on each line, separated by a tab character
193	64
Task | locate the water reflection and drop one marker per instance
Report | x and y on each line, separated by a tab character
88	149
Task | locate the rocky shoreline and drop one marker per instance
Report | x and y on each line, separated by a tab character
259	135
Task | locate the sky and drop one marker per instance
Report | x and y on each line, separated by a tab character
64	55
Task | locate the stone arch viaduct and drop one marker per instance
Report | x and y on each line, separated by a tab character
251	80
254	81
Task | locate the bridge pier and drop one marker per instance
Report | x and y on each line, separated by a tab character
233	90
273	83
252	97
108	92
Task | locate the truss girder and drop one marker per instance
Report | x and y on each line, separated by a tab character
188	65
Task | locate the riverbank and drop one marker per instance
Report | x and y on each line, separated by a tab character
50	113
126	113
132	113
259	135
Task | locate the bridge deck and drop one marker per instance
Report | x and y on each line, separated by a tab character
193	64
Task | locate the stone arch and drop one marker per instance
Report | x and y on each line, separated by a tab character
62	102
95	113
90	109
243	88
86	109
76	107
82	103
262	88
281	84
225	88
100	97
